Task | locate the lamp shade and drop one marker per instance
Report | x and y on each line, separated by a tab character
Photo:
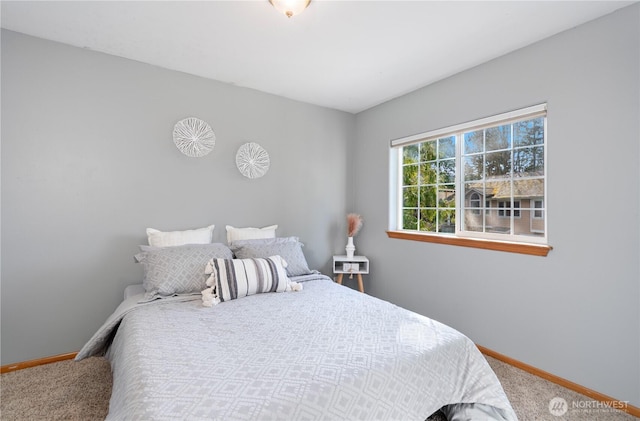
290	7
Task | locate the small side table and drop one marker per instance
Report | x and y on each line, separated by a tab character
358	265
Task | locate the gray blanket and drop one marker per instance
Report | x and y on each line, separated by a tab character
323	353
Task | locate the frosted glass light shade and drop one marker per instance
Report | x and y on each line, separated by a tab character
290	7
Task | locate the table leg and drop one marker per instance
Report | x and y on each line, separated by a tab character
360	284
339	279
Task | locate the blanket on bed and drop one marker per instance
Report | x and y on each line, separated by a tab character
326	352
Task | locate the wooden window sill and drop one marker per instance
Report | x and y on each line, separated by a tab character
522	248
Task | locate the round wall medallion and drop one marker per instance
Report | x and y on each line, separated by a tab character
193	137
252	160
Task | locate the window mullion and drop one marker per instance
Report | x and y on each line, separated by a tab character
437	186
459	184
512	219
418	187
484	174
400	191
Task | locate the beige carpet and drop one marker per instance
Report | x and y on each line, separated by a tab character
80	391
66	390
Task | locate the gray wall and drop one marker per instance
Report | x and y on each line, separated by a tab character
575	313
88	162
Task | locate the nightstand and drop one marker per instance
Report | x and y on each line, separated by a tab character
358	265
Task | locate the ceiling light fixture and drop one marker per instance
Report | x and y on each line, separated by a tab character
290	7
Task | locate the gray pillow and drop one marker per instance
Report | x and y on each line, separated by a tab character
178	270
289	248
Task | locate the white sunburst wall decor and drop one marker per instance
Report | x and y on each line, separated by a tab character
193	137
252	160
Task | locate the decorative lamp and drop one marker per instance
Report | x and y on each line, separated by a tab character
290	7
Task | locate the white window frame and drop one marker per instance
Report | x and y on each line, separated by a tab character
395	175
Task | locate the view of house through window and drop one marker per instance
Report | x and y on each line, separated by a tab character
479	179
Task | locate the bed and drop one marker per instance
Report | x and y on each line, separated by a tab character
314	350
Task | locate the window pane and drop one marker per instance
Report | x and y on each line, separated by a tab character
473	167
528	161
528	224
474	201
537	222
537	213
531	187
410	175
447	196
428	220
410	154
410	197
447	170
473	221
410	219
503	227
498	190
429	173
447	221
503	209
473	142
428	151
529	132
492	214
469	190
537	227
428	196
498	137
447	147
498	163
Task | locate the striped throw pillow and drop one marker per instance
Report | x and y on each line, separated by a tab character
237	278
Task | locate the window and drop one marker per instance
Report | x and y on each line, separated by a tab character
537	205
537	216
504	209
475	203
428	185
501	210
484	179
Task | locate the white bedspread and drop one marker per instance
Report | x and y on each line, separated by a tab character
324	353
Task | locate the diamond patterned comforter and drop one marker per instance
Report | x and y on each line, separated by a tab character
324	353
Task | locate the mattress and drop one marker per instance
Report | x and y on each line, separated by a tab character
324	353
133	290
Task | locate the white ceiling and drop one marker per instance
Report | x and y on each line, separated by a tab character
347	55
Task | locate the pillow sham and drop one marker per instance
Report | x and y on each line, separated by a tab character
159	238
250	233
178	270
236	278
289	248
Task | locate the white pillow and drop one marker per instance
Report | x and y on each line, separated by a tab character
234	234
178	238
